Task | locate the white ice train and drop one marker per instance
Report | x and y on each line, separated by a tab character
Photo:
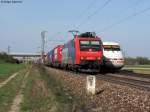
113	56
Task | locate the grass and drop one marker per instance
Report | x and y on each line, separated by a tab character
43	93
65	103
143	69
6	69
137	66
56	86
33	98
9	91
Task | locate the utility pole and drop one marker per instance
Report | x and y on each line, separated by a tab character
43	46
8	50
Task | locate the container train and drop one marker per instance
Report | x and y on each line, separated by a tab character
54	57
83	52
86	52
113	56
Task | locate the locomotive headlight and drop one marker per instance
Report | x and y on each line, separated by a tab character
82	57
98	58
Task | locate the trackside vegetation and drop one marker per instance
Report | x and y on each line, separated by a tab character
7	69
43	93
9	91
137	61
9	59
8	66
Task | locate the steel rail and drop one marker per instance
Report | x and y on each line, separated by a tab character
139	84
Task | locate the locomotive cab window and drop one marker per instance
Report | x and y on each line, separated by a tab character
116	48
112	48
84	42
94	45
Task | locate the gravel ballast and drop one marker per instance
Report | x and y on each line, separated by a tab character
109	97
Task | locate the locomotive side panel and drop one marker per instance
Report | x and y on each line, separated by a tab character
68	53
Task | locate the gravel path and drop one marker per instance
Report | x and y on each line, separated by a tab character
19	97
109	97
8	79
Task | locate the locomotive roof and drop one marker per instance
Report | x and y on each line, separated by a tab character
110	43
88	34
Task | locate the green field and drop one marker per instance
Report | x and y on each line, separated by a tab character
6	69
143	69
9	91
9	68
137	66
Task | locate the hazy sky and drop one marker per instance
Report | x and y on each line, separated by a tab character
123	21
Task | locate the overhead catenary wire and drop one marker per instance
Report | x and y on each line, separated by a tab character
88	8
94	13
89	16
124	19
53	40
98	10
129	7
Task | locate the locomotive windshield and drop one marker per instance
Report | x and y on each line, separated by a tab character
111	48
84	42
86	45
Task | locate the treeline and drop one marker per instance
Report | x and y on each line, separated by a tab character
9	59
137	61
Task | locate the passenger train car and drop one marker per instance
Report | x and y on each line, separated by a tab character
113	56
84	51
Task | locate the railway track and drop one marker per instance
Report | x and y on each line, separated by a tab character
131	73
132	81
135	80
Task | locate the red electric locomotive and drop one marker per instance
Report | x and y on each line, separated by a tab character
84	52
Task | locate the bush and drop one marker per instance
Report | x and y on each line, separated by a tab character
137	61
9	59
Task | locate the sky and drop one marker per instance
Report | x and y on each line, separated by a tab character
124	21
